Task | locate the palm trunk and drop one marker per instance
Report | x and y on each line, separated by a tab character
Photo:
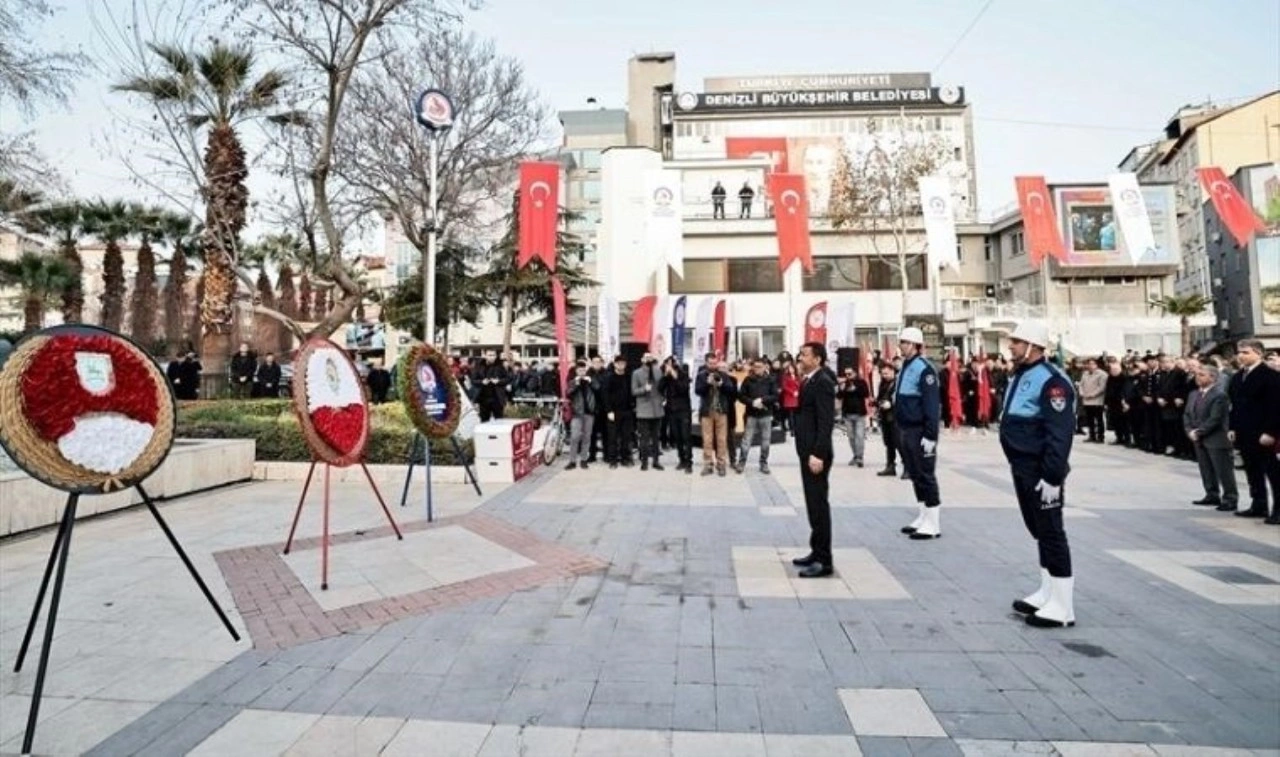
227	198
113	286
1185	323
32	315
507	326
73	295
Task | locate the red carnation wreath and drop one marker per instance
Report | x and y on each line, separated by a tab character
330	403
84	409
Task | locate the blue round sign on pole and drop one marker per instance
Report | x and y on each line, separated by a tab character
434	110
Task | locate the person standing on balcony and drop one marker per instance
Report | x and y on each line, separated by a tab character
718	195
745	196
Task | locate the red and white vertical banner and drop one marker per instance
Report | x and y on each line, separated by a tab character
539	211
939	221
839	319
642	319
702	330
1131	213
1236	214
664	219
1039	222
559	306
719	326
888	350
815	323
607	326
955	406
659	340
791	217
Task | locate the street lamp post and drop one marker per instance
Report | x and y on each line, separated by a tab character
434	110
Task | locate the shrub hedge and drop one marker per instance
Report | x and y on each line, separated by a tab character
272	424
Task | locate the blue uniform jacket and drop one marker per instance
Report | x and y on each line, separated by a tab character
917	401
1039	420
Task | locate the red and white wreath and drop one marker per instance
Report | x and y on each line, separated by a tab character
334	400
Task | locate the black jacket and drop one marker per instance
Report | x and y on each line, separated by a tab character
853	396
815	419
675	390
491	393
706	389
269	379
243	367
883	395
759	387
1255	404
617	393
582	394
1172	389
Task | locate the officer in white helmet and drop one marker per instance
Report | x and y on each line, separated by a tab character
1036	430
917	411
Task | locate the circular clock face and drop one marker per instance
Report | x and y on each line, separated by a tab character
687	101
84	409
949	95
330	403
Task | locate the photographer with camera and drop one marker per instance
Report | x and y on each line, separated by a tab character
759	393
582	398
716	391
674	386
644	388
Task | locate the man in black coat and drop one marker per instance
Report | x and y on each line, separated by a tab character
267	382
674	386
184	375
815	422
1171	397
379	381
884	410
620	414
1255	427
244	364
494	380
1113	400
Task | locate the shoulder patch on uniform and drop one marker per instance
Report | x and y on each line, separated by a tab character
1057	398
928	379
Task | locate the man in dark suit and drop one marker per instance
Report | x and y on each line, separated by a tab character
1255	427
1205	421
815	422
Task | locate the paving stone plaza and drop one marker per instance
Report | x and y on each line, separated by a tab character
619	612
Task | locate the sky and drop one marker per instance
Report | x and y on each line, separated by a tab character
1058	89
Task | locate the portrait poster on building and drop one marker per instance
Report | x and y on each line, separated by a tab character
1264	195
1093	234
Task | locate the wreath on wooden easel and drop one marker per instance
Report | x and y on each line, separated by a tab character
84	409
429	391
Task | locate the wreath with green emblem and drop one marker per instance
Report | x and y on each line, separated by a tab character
429	391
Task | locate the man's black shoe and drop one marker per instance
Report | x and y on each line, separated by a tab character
584	465
1207	501
805	561
1252	513
572	466
1272	521
1226	508
644	465
658	466
817	570
613	466
887	472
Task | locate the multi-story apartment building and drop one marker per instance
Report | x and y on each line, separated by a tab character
1245	281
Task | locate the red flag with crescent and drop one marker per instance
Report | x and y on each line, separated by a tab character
539	213
719	330
642	319
791	214
815	323
1235	212
984	391
1038	220
558	306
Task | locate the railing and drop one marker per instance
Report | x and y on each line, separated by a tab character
956	310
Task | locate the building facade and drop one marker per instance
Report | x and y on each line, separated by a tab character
1245	281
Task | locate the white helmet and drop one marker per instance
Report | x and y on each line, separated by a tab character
1032	332
911	334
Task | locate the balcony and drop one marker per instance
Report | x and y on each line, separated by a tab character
984	314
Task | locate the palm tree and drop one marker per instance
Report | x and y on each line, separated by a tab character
148	224
110	222
41	278
216	90
1185	308
177	234
66	222
16	201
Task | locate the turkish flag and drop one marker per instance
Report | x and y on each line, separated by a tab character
773	148
887	352
558	306
539	213
791	214
1038	220
815	323
984	393
719	329
642	319
1235	212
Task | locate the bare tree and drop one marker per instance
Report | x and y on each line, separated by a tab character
876	192
384	156
327	40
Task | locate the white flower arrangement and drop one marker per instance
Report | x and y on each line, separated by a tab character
105	442
331	381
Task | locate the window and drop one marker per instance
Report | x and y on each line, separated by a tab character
959	251
755	275
591	190
1018	248
986	249
590	159
700	276
884	274
834	275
